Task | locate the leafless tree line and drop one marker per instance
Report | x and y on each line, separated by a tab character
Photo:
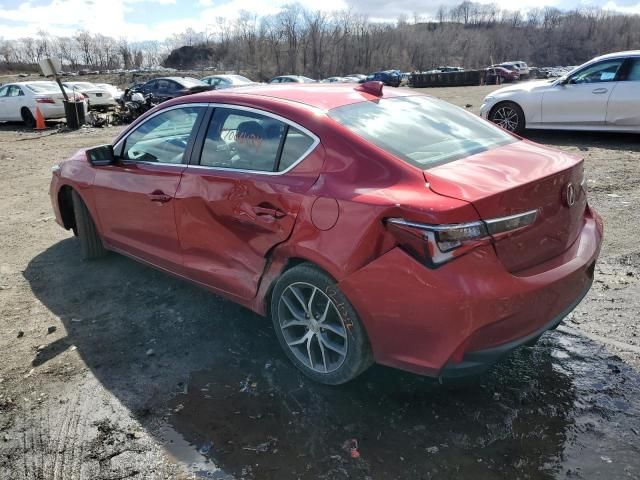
320	44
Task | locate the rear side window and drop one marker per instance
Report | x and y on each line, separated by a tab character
633	70
420	130
296	145
244	140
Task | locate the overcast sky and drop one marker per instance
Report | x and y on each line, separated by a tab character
158	19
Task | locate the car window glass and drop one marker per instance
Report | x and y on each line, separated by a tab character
600	72
15	91
634	70
4	91
296	144
164	137
425	132
172	86
242	140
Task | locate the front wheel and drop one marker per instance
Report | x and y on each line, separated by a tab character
90	243
509	116
317	327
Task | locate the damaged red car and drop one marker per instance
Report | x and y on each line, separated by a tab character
371	225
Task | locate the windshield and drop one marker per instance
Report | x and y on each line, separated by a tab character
420	130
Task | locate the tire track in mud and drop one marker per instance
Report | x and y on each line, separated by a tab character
49	446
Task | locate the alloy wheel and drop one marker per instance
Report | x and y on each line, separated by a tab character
312	327
506	117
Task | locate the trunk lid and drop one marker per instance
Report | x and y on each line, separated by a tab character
514	179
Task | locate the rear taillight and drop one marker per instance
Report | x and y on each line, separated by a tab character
437	244
45	100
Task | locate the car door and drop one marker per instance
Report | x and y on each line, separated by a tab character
134	197
150	87
13	101
581	100
623	109
241	194
17	95
4	106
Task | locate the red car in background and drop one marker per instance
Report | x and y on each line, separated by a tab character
372	226
497	74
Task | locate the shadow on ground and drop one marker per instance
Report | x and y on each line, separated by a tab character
233	407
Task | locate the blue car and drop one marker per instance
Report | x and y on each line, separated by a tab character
390	78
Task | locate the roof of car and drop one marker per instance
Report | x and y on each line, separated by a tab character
324	96
628	53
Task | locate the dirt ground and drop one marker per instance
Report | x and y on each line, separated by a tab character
112	370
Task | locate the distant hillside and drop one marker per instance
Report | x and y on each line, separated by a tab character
189	57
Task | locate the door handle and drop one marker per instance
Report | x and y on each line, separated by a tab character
159	197
267	211
600	90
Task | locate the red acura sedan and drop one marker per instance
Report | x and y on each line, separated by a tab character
370	225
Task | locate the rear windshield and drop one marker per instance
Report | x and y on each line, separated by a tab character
420	130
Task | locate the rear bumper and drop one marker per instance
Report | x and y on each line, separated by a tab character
468	313
475	363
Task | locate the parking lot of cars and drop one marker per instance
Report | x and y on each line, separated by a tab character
191	384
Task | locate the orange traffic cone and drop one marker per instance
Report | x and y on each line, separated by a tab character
40	125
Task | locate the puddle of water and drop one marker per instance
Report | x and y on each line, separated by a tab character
562	409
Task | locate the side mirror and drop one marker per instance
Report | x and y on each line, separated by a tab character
101	155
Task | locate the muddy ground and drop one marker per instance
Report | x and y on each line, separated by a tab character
112	370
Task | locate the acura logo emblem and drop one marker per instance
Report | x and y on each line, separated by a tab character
570	194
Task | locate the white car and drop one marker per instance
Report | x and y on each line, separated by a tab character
603	94
97	96
18	101
228	81
115	92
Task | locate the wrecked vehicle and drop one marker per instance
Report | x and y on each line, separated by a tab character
132	105
434	242
166	88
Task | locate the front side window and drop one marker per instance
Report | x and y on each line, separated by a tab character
600	72
420	130
164	137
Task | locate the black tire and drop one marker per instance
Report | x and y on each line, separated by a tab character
90	242
509	116
353	340
27	118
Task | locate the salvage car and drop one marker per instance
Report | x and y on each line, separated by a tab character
96	96
18	101
292	79
500	75
435	242
166	88
603	94
227	81
391	78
